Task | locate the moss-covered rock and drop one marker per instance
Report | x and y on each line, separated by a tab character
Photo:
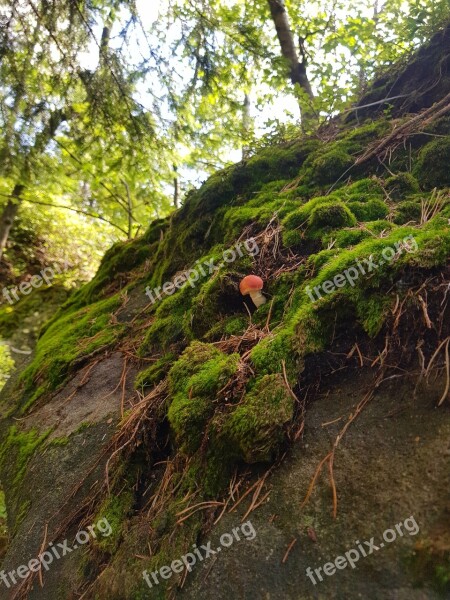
432	165
400	186
256	426
71	337
330	165
194	380
371	210
407	212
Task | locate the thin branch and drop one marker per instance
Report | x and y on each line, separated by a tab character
79	211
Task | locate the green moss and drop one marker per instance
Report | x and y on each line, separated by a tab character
371	210
269	355
6	364
171	324
115	509
401	186
194	380
19	447
315	218
218	297
363	189
71	337
256	426
118	262
327	216
318	260
407	211
330	165
232	325
431	168
379	227
343	238
367	132
155	372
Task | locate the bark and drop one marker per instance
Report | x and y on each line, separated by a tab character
176	187
298	72
9	214
246	124
129	210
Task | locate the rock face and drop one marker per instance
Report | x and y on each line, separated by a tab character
162	416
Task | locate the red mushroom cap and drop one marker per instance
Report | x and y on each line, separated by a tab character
251	283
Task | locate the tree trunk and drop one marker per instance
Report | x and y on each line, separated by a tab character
176	187
9	214
246	124
289	51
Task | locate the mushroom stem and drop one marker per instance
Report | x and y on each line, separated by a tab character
258	298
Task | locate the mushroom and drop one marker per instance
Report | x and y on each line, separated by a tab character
252	284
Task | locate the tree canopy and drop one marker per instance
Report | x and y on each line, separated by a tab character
112	114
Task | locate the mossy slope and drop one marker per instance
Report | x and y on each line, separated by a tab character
337	242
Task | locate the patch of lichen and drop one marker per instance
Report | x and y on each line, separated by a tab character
194	380
71	337
256	426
